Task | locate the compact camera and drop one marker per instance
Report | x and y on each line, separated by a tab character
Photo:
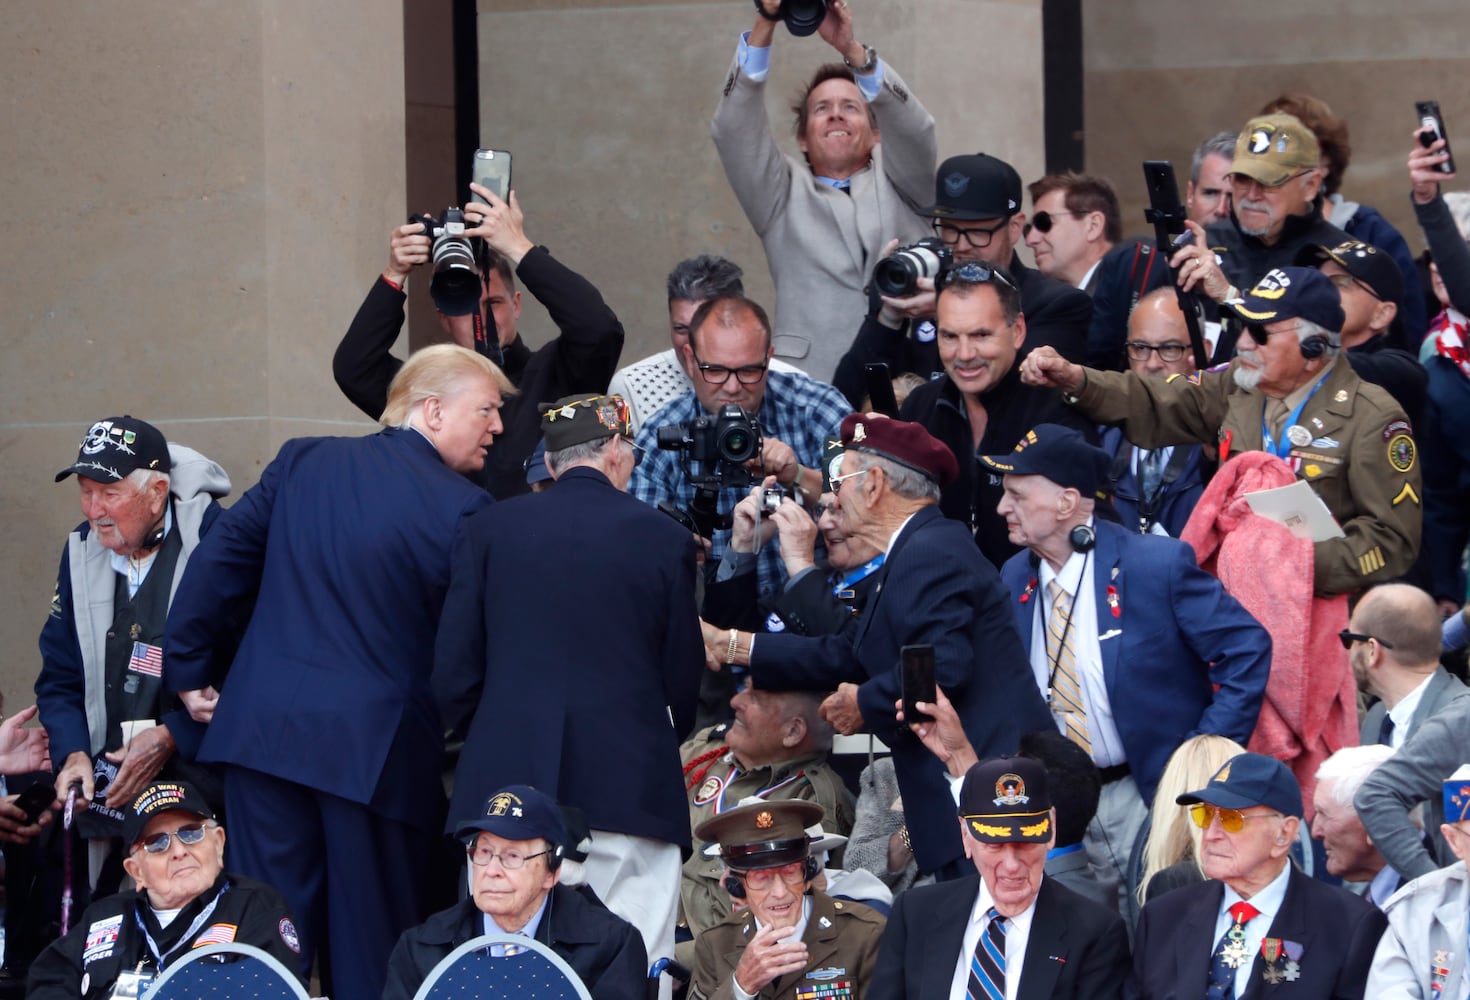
897	276
771	498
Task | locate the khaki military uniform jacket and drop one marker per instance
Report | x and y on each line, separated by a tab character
719	784
1361	458
842	947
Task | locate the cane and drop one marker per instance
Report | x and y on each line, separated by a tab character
66	813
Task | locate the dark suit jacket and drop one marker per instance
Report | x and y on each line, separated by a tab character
934	588
569	632
1177	499
1077	948
349	542
1180	657
1337	930
1444	687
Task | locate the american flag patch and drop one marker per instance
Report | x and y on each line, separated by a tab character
218	934
146	660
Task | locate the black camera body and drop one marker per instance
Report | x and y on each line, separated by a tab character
802	17
455	286
897	275
724	442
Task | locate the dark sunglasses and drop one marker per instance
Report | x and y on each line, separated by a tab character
1043	221
1348	638
188	836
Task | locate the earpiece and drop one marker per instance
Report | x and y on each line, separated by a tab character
734	887
1083	538
1314	347
554	859
813	867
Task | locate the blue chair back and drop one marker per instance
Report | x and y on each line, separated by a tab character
535	972
246	973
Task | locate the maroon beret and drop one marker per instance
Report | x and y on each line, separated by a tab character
900	441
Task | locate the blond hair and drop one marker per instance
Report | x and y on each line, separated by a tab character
1173	837
434	371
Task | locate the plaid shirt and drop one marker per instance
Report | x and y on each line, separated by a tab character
796	409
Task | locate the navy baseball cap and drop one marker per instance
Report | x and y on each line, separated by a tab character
1250	779
158	798
518	812
975	187
1005	800
1060	454
1291	293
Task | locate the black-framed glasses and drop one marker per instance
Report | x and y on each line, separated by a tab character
1139	351
952	234
759	879
482	854
188	836
973	272
1043	221
1348	638
719	374
1343	282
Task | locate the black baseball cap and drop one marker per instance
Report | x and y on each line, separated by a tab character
1060	454
1365	262
161	797
1006	800
975	187
116	447
1250	779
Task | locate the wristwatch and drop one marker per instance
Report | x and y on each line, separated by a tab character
871	55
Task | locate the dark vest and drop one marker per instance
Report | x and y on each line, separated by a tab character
133	694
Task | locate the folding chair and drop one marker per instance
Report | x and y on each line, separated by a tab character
535	972
247	973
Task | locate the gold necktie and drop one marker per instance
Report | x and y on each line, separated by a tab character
1066	688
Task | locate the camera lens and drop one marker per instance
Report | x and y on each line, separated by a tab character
803	16
737	442
896	277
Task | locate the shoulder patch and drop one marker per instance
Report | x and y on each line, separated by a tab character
1407	493
1401	453
1396	427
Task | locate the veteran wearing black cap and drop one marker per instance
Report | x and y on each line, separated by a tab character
100	690
514	846
1133	646
934	588
1006	930
791	940
1257	921
1286	393
575	638
184	899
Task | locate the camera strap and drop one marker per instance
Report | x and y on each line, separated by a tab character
487	338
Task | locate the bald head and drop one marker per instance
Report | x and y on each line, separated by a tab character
1158	339
1404	618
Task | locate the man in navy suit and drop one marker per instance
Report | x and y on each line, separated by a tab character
570	660
327	725
1258	927
1134	647
934	589
1012	931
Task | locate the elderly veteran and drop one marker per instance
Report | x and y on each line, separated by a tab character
1288	393
791	940
184	900
1257	921
515	847
1422	953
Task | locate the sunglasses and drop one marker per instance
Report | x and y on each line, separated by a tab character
1043	221
188	836
1231	820
1260	334
1348	638
975	273
763	878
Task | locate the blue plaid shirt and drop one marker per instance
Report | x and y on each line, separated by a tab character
796	409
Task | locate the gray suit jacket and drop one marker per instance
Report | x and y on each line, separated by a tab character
1436	746
1444	687
821	243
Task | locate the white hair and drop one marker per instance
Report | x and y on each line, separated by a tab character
1349	767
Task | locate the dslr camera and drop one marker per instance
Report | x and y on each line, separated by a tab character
897	276
719	445
455	285
802	17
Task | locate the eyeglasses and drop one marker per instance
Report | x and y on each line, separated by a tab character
952	234
1343	282
793	874
1348	638
1043	221
483	854
1139	351
1231	820
973	272
188	836
837	481
718	374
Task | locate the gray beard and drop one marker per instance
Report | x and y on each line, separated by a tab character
1247	378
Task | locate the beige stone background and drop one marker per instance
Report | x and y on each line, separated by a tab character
198	195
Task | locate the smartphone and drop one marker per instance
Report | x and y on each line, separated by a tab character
491	169
917	663
36	800
1431	129
1163	194
880	389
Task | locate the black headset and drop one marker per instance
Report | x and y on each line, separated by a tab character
554	855
1083	538
1314	347
736	888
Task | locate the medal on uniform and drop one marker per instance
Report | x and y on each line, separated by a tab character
708	791
1235	953
1273	975
1292	972
1299	435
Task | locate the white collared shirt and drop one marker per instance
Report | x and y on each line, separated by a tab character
1018	933
797	933
135	571
1268	902
1403	713
1076	579
1090	272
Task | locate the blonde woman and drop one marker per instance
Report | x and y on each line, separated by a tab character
1172	848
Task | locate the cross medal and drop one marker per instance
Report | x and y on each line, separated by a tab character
1234	953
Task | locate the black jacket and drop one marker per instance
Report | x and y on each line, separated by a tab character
1013	409
110	933
807	606
582	359
1056	314
604	950
1397	372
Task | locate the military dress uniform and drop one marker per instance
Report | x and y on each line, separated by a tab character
1351	443
715	782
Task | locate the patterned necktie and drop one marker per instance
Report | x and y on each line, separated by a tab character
1230	953
1066	689
988	966
1150	472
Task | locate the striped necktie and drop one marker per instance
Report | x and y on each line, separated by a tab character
988	966
1066	688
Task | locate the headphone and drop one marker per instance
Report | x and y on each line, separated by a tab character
1314	347
554	856
156	536
1083	538
736	888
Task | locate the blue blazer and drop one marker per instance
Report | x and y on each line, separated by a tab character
1175	637
570	634
348	541
1180	496
935	587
